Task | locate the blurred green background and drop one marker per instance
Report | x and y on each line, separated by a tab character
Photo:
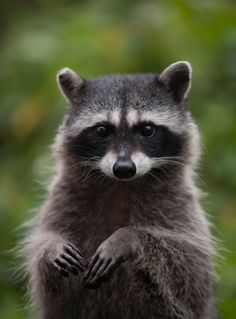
102	37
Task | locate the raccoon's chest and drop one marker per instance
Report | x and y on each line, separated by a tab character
101	215
112	211
117	211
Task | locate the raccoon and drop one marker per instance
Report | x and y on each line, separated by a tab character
122	233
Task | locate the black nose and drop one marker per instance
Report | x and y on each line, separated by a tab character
124	169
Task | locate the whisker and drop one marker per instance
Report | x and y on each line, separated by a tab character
154	176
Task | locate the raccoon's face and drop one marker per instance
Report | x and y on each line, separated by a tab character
127	126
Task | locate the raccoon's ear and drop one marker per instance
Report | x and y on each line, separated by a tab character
177	79
69	83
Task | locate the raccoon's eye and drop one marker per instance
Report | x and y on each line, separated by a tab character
102	131
147	131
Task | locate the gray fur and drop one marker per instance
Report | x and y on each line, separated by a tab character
155	231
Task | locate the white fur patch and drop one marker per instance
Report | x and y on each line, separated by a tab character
90	119
132	117
168	119
142	162
87	120
115	117
107	163
163	118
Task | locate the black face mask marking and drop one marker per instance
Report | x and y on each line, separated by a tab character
90	144
93	143
161	143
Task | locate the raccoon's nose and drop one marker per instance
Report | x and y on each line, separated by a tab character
124	169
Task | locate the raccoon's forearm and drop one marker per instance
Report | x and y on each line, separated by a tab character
37	249
39	242
41	249
178	270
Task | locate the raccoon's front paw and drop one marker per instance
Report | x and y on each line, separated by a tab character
68	259
109	255
100	267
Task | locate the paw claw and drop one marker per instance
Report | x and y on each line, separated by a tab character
75	248
96	269
69	260
73	254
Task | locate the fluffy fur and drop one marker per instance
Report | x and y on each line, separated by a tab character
140	248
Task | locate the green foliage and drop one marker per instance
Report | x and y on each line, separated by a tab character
99	37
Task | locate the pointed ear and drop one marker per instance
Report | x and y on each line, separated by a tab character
177	79
69	83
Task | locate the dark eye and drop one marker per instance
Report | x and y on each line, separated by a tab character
102	131
147	131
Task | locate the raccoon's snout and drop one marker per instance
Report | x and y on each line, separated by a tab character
124	169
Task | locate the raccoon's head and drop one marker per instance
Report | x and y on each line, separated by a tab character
127	126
